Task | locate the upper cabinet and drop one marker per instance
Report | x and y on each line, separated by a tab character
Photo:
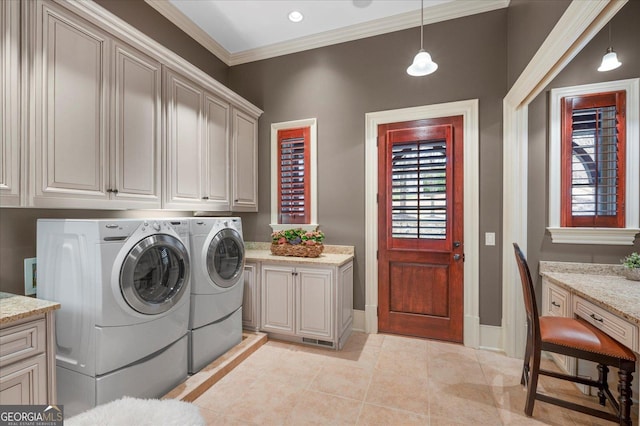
197	167
107	129
96	131
245	162
9	104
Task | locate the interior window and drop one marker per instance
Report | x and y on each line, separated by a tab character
594	160
293	175
594	163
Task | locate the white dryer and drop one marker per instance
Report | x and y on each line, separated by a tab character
123	286
215	323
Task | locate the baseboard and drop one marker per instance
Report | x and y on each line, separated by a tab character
491	338
358	320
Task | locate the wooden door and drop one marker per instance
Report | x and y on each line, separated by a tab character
420	228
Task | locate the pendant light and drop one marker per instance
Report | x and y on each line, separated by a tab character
422	63
610	59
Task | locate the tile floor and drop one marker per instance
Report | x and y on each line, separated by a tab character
381	380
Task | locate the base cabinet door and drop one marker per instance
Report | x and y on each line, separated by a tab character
250	298
24	382
277	303
315	303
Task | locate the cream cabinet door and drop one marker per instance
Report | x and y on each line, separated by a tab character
217	158
250	298
245	162
277	299
71	113
315	307
9	104
135	149
183	180
24	382
345	299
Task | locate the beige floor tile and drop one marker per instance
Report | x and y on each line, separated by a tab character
375	415
408	393
405	363
315	408
461	403
213	418
341	380
265	402
226	391
403	344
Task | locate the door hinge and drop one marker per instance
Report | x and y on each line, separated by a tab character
377	198
376	254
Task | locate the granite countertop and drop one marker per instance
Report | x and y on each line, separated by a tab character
331	256
14	307
600	284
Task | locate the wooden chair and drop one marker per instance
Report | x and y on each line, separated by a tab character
577	338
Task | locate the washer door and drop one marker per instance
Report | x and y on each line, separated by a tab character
155	273
225	258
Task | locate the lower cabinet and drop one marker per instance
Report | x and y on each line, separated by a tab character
26	364
309	304
556	302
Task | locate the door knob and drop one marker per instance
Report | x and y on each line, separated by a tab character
456	243
457	257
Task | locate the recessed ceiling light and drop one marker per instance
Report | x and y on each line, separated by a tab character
295	16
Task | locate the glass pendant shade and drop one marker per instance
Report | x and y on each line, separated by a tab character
609	61
422	65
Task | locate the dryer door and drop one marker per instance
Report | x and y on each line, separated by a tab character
155	274
225	258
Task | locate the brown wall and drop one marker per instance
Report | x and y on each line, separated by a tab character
147	20
581	70
18	236
529	22
340	84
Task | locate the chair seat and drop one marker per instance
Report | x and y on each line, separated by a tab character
579	334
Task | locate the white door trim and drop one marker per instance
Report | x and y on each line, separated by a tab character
578	25
469	110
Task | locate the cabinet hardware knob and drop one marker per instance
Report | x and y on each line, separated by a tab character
205	198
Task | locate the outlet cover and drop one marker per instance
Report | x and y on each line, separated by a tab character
30	276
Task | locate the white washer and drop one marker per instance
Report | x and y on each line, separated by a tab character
123	286
215	322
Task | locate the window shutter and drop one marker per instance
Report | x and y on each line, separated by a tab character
293	176
594	161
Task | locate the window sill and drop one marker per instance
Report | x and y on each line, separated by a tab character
604	236
285	226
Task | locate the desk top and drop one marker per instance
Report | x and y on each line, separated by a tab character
600	284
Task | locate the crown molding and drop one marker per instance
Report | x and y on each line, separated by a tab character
439	13
173	14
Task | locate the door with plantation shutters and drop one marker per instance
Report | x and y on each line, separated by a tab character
420	228
294	176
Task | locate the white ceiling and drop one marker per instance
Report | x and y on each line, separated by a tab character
240	31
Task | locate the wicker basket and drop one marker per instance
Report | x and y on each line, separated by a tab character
298	250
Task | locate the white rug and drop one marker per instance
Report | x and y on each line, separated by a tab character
140	412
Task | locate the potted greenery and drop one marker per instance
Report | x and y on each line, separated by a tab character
631	265
297	242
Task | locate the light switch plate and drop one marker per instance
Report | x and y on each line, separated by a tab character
489	238
30	276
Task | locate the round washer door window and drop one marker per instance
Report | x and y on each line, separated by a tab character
155	274
225	258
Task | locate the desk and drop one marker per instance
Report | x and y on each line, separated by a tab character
599	294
